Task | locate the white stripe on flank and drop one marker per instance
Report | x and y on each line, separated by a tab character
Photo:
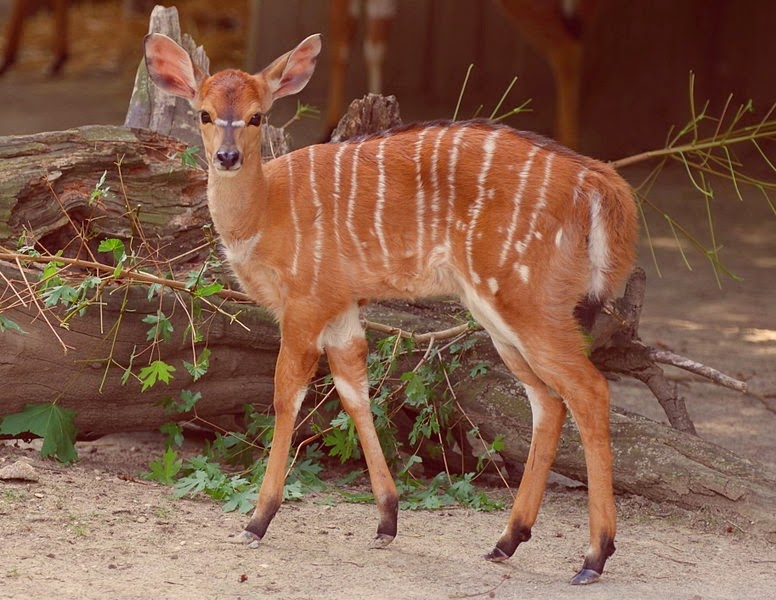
317	220
420	198
523	244
489	147
517	201
349	219
294	220
451	181
380	203
580	182
336	196
597	247
435	185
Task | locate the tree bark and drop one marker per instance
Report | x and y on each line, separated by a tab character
110	337
48	180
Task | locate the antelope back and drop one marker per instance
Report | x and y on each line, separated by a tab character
445	208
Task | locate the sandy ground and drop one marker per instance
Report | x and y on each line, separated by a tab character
95	530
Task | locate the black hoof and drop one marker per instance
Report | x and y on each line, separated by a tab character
381	541
246	538
496	555
585	577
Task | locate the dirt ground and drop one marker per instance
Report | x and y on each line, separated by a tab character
95	530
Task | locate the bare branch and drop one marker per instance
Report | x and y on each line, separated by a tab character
667	357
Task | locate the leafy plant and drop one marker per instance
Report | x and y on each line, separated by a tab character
54	424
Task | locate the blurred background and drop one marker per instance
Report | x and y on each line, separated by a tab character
634	70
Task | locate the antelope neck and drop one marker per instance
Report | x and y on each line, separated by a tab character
235	201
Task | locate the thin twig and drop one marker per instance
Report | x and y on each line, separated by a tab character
127	274
418	337
41	310
667	357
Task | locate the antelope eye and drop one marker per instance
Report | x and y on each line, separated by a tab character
204	117
255	120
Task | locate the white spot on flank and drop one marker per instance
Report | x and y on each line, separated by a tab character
524	271
493	285
559	237
489	148
517	201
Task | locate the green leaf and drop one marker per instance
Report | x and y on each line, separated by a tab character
208	290
200	366
60	294
174	433
100	189
7	324
115	246
165	468
161	327
479	369
188	156
54	424
185	404
50	275
417	392
156	371
243	500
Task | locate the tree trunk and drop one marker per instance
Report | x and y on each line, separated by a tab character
49	179
108	338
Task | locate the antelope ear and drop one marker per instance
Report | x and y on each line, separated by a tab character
170	66
288	74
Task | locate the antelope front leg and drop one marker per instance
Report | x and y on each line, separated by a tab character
295	365
348	366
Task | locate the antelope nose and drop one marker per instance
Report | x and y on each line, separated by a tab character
227	158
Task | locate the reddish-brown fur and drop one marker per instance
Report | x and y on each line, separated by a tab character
520	228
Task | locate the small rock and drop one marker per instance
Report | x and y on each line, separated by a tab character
19	470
